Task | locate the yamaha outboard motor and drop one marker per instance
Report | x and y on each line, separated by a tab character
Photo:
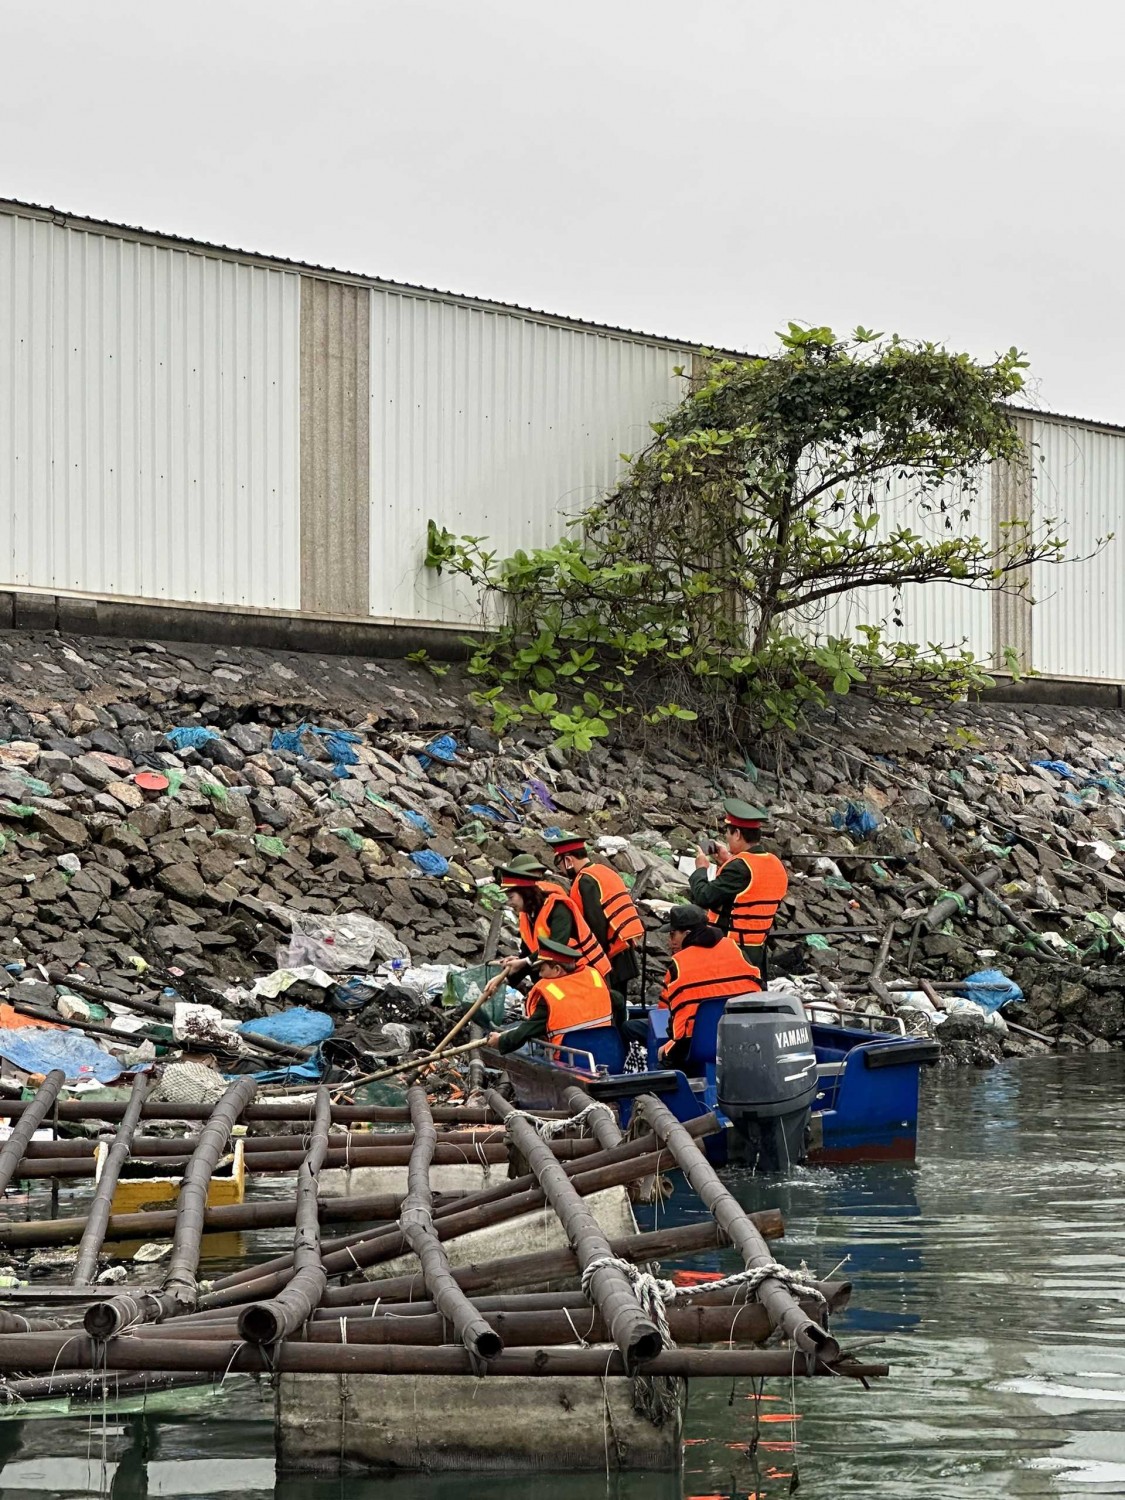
767	1077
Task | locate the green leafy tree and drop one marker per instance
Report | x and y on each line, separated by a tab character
693	590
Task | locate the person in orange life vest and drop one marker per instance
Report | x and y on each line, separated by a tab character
748	886
706	965
568	996
544	911
605	902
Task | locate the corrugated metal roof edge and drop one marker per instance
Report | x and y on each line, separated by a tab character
1061	416
232	252
277	262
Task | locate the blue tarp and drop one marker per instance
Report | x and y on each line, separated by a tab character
311	1070
298	1026
38	1049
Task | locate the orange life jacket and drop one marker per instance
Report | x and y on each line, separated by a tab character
754	908
622	918
697	974
575	1002
581	938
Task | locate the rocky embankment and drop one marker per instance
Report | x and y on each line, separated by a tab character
180	807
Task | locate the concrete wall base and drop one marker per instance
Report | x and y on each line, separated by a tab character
333	1424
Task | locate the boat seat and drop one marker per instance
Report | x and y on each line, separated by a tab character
704	1046
605	1045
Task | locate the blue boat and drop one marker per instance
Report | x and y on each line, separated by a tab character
784	1088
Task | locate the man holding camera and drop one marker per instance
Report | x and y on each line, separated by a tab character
748	886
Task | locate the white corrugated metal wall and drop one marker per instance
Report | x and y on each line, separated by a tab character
150	434
937	613
496	425
149	426
1078	625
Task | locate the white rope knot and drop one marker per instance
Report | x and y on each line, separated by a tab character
655	1294
550	1128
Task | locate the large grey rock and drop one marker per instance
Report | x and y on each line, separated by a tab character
183	881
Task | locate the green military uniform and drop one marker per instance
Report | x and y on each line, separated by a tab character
731	879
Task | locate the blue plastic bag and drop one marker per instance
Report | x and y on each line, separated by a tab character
430	863
1059	767
990	989
443	749
483	810
190	737
418	821
857	818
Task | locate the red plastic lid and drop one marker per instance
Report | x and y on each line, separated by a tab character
151	781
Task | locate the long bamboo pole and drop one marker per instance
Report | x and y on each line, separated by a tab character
43	1351
299	1110
418	1229
603	1124
31	1119
492	1153
633	1331
778	1300
86	1266
703	1323
152	1147
179	1289
266	1322
263	1214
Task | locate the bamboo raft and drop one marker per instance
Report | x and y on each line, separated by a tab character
438	1299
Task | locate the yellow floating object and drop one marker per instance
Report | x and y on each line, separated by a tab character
138	1195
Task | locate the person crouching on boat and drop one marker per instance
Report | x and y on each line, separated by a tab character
544	912
568	996
706	965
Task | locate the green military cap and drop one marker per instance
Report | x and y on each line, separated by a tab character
685	917
742	815
565	843
560	953
525	869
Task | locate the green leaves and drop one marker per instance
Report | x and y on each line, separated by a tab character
693	591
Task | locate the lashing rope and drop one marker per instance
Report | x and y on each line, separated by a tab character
656	1294
550	1128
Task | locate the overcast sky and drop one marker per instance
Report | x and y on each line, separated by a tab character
707	170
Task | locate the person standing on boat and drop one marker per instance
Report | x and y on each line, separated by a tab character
544	912
568	996
706	965
606	904
748	886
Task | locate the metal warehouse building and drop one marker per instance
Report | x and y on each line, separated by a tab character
188	431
